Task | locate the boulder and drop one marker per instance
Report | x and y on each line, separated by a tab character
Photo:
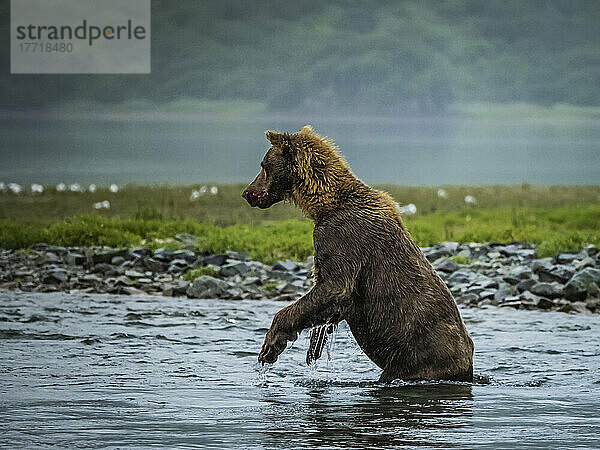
206	286
468	299
585	262
234	268
526	285
577	288
216	260
548	290
286	266
437	253
446	265
559	273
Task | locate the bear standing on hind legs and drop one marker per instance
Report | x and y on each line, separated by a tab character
368	271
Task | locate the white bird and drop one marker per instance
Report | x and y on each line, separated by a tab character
2	186
75	187
15	188
92	188
203	190
195	195
214	190
102	205
470	200
37	188
408	209
61	187
114	188
442	193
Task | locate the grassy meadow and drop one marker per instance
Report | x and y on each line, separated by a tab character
557	218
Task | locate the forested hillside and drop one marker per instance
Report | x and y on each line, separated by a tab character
379	56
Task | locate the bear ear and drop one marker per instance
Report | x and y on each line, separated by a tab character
306	129
274	137
280	140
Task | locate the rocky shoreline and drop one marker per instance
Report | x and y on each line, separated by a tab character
504	275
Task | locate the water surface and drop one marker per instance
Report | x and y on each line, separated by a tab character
82	370
194	149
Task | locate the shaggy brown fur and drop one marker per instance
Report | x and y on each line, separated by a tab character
368	271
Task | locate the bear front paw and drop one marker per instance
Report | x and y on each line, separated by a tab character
275	343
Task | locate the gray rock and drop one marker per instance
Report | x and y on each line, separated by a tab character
508	250
576	288
252	281
216	260
292	288
121	281
154	265
521	272
593	304
130	290
234	268
591	250
239	256
286	266
559	273
446	265
106	255
490	283
180	288
487	294
50	258
75	259
140	252
479	251
579	307
548	290
567	258
117	260
526	253
56	276
310	262
585	262
177	265
538	264
526	285
449	245
464	253
461	276
544	303
593	290
90	277
134	274
207	287
281	275
468	299
187	255
516	304
504	291
437	253
105	268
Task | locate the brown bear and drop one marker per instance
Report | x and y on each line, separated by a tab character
368	271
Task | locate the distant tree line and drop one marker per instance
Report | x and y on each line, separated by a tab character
378	55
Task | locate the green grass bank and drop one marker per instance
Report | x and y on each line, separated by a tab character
557	218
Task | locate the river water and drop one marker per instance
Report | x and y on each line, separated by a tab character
81	370
188	149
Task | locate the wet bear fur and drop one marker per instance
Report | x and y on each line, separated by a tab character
368	271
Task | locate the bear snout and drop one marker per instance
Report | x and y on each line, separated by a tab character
254	198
